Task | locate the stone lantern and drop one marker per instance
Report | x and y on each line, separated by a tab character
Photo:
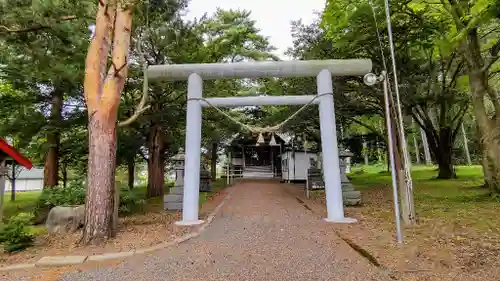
351	196
173	200
345	156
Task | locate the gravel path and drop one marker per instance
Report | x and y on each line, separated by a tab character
261	233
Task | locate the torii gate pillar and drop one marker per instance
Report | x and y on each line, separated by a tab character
323	70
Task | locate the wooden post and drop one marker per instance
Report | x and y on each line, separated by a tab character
3	175
13	182
228	169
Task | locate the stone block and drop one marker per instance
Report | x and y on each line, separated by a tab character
60	260
154	248
347	187
111	256
352	202
173	198
205	181
351	194
172	206
179	190
21	266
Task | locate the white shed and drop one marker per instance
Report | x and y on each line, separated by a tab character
294	165
26	180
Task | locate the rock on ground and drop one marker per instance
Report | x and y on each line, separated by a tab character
65	219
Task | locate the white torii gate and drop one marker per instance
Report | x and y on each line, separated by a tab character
322	69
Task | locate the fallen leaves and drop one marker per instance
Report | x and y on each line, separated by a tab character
451	241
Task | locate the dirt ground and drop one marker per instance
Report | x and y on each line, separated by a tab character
436	249
152	227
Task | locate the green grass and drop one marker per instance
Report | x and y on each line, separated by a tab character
462	200
25	202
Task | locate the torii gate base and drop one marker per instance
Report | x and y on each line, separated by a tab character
195	73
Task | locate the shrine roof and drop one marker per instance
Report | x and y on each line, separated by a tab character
7	150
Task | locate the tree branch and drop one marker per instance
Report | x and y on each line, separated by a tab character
142	104
494	52
35	27
95	63
371	128
115	80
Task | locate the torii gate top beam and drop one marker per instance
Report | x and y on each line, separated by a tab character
291	68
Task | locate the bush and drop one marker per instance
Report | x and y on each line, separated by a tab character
130	202
15	235
74	194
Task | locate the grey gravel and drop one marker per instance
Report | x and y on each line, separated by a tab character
261	233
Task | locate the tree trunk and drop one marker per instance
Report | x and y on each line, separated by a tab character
480	89
466	144
51	167
102	90
445	165
442	148
487	173
65	174
131	173
156	162
213	161
388	162
100	198
425	144
488	130
415	143
365	153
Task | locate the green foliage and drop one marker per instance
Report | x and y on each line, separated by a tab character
15	235
130	202
73	194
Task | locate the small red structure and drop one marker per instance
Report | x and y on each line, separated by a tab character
6	150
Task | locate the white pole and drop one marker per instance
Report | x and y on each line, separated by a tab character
193	144
331	167
393	166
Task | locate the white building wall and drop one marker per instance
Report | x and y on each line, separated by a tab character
237	161
27	180
295	168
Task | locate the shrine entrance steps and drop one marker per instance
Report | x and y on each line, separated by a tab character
258	172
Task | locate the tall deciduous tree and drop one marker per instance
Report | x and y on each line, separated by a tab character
475	27
430	73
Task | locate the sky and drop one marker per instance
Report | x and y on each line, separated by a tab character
272	17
